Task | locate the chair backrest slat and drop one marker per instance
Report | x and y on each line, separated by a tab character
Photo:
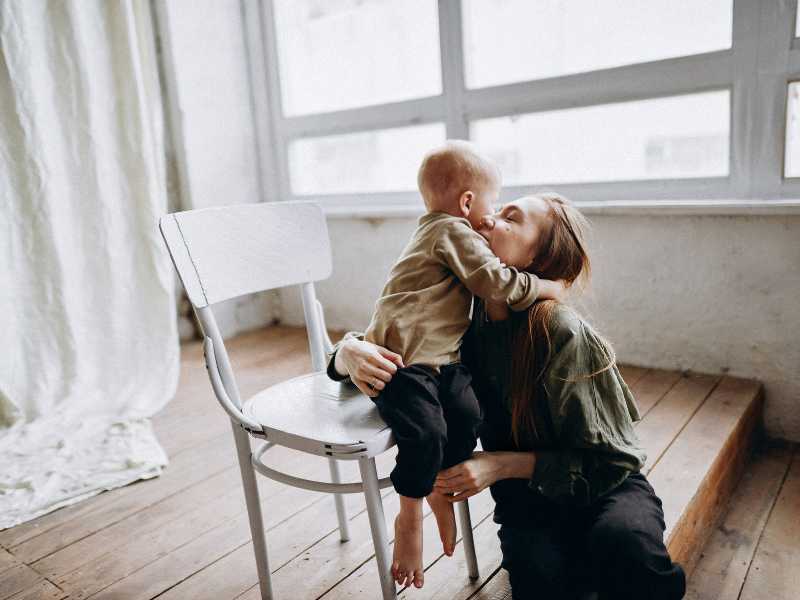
225	252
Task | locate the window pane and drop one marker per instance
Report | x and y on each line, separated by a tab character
791	167
797	20
368	161
506	41
337	54
676	137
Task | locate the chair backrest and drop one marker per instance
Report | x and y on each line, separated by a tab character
221	253
224	252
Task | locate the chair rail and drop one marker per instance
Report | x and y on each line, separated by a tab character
308	484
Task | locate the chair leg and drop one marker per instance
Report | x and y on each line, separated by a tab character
467	538
338	499
377	524
253	510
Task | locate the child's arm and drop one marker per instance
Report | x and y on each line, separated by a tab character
469	257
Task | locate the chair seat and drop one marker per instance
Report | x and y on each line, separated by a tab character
313	407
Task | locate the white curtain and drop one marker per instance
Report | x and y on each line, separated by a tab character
90	348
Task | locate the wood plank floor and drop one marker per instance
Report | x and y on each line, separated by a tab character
185	534
754	552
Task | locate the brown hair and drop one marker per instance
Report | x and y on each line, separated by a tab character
560	255
452	169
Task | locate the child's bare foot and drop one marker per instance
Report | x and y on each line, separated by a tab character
445	519
407	561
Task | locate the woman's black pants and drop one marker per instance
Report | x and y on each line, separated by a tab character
614	547
434	418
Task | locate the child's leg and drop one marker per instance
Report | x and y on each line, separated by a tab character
410	406
407	566
463	416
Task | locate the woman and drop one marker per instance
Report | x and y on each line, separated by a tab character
560	453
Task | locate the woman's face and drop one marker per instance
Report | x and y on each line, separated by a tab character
514	231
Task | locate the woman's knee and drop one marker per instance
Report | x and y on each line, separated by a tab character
536	565
631	563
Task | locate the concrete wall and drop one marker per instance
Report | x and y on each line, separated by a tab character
708	293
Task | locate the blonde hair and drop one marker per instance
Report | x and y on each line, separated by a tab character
452	169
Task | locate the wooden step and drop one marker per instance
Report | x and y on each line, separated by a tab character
696	476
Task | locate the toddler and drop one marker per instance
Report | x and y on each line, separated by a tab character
422	314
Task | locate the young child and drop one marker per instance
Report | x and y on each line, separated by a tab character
422	314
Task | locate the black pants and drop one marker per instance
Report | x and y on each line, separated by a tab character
614	547
434	418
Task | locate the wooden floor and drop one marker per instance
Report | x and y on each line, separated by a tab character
755	550
185	534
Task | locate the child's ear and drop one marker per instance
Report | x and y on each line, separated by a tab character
465	203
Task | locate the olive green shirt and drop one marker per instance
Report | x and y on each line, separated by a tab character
424	308
585	443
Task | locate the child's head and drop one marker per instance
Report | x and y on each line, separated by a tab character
456	180
543	234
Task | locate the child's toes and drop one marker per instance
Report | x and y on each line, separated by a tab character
419	579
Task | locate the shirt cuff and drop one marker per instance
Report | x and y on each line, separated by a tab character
558	475
332	373
528	299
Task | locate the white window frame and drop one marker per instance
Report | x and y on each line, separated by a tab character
763	59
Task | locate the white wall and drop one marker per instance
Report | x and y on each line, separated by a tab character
708	293
206	85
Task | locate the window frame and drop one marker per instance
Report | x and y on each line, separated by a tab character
763	59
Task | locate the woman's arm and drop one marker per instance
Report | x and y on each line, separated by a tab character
369	366
482	470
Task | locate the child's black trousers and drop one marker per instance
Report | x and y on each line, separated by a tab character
434	418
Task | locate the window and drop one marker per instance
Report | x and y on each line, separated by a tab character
368	161
663	138
334	55
791	166
620	100
549	38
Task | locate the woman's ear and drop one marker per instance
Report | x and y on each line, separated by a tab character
465	203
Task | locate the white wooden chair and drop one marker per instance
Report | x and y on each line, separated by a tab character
222	253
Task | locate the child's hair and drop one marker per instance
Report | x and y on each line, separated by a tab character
452	169
561	255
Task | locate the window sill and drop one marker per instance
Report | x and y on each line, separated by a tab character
613	208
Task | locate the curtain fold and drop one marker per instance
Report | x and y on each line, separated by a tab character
86	298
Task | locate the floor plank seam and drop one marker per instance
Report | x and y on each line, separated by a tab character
134	513
792	458
485	583
661	397
142	481
286	562
391	543
458	541
321	499
686	423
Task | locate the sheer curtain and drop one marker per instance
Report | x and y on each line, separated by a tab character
90	347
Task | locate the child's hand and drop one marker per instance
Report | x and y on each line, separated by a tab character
552	290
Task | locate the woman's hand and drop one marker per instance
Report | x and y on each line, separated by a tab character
469	477
369	366
482	470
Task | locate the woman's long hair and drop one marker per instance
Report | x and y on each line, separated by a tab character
561	255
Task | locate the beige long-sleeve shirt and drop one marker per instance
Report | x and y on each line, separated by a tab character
425	307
